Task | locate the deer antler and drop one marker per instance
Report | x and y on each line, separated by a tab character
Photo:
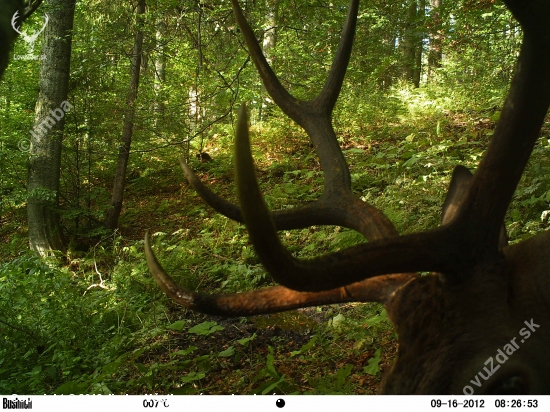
337	205
517	130
470	234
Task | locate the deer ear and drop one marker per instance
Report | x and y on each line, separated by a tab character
458	189
503	239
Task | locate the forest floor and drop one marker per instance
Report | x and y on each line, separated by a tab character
248	369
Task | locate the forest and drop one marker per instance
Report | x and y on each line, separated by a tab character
101	99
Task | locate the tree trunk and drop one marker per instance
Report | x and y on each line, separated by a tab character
46	137
160	73
409	42
388	72
268	44
436	52
111	218
419	46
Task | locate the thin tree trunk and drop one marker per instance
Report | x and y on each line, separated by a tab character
160	73
436	52
194	93
268	44
46	136
111	219
419	47
389	46
409	42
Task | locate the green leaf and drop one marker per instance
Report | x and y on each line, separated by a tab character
193	376
305	347
342	374
71	388
270	362
141	368
177	326
205	328
338	320
184	352
228	352
377	319
373	368
273	385
411	161
112	367
246	341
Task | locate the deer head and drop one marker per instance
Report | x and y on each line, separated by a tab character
479	323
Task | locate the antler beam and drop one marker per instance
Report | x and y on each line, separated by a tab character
273	299
482	213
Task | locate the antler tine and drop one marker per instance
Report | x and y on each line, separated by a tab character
516	133
272	299
326	100
280	95
313	116
417	252
328	96
348	212
218	203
